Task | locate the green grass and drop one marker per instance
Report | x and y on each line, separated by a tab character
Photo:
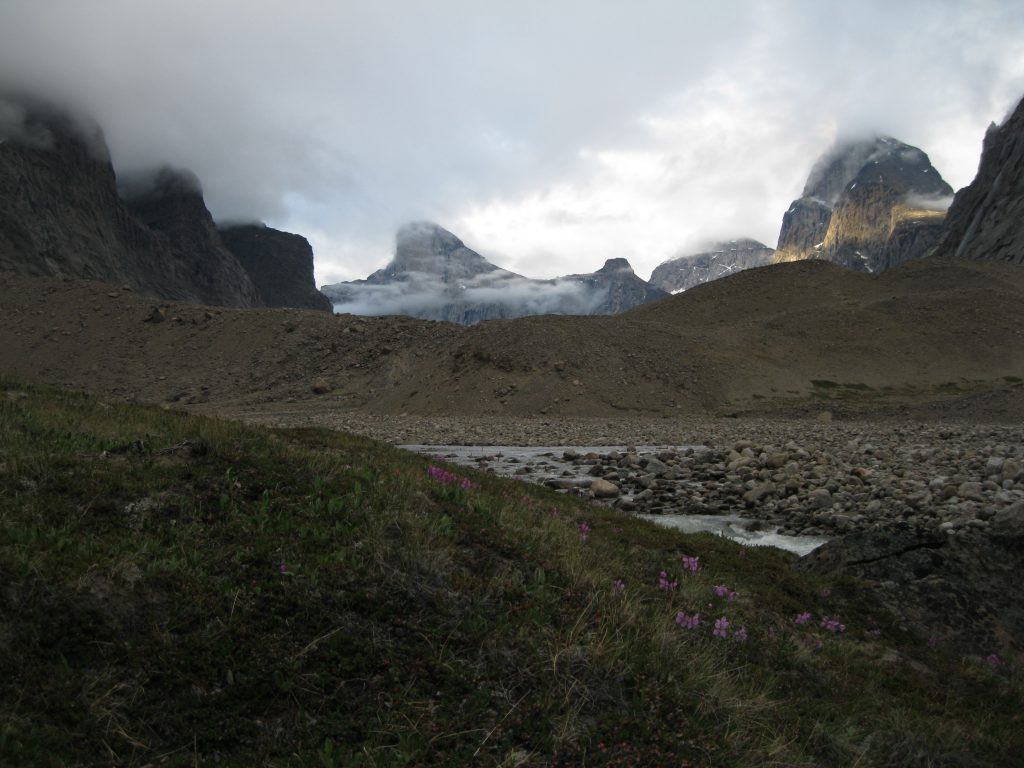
177	590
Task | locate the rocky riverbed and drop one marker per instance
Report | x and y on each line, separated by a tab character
812	477
930	517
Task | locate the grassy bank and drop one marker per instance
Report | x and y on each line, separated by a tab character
178	590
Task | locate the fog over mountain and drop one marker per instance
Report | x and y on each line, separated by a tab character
434	276
560	135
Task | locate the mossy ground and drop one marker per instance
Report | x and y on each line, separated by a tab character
177	590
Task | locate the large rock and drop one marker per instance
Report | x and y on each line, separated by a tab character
280	264
721	259
984	221
61	214
434	276
958	588
867	205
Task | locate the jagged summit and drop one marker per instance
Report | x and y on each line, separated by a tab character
616	267
881	158
867	205
425	247
686	270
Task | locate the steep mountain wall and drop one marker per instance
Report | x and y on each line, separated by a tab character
280	265
63	213
170	203
985	219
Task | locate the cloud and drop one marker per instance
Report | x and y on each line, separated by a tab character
552	134
499	294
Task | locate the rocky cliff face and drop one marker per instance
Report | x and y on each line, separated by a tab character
170	203
867	205
434	276
280	265
59	210
984	221
63	214
686	271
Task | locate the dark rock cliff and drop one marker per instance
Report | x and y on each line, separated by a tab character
984	221
280	264
63	213
170	203
59	210
686	271
860	196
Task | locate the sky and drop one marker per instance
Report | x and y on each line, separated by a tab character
549	135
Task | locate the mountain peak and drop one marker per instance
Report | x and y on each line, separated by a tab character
425	247
616	266
901	166
868	204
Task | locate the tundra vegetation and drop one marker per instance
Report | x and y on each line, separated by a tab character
181	590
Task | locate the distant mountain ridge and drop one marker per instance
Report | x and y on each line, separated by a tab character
63	213
434	276
688	270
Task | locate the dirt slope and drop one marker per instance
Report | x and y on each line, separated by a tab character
790	336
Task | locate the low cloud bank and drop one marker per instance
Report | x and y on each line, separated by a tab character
488	296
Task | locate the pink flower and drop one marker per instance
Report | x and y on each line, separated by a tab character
740	635
618	586
802	618
721	627
584	530
686	621
466	484
723	591
664	583
832	625
690	563
993	660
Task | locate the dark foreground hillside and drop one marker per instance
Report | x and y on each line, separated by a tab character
178	590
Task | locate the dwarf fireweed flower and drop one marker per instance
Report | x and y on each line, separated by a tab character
740	635
691	563
723	591
618	586
993	660
802	618
584	530
664	583
443	476
686	621
832	625
721	627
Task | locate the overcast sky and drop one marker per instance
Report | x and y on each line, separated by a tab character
547	135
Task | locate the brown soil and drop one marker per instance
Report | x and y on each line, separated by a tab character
933	339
